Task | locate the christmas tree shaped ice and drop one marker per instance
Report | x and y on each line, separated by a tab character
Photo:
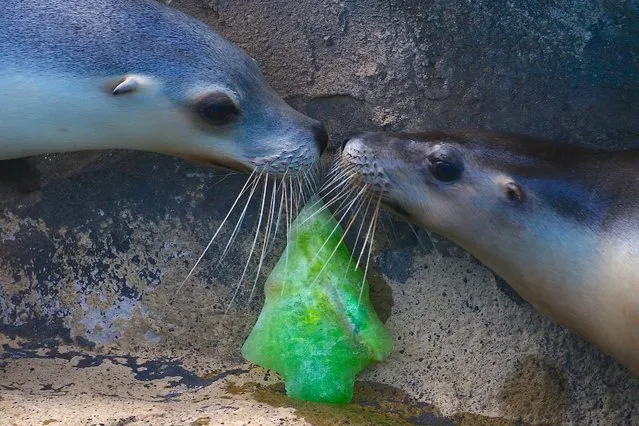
317	328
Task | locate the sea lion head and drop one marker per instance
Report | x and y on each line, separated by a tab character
105	74
470	185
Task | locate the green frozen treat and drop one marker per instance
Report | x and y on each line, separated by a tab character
317	328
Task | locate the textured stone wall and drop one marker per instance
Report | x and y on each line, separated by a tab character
94	257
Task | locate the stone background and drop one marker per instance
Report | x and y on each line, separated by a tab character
91	260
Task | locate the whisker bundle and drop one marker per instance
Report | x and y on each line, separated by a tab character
280	200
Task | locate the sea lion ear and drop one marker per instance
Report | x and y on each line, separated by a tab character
128	84
514	192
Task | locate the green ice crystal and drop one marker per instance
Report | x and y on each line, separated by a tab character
317	329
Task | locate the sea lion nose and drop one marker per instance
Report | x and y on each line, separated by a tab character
344	142
321	136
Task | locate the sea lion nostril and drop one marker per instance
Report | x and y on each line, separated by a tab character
344	142
321	136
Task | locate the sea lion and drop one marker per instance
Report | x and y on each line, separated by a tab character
560	223
136	74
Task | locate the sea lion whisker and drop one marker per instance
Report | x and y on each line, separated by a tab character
342	196
390	221
368	233
281	205
337	246
303	189
345	190
251	178
220	180
314	183
239	222
268	227
298	195
361	193
272	220
289	208
370	247
334	168
359	232
362	227
381	223
331	177
315	174
291	194
310	177
329	181
353	213
341	206
272	208
224	177
310	184
432	241
299	199
430	238
337	225
337	179
250	256
343	184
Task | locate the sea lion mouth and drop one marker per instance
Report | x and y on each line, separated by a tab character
231	166
276	166
366	173
374	180
222	163
396	210
378	192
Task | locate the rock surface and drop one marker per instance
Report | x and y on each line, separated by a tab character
94	257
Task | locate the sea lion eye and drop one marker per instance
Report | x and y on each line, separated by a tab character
217	109
445	171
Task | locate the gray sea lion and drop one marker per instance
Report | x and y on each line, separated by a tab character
136	74
559	223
